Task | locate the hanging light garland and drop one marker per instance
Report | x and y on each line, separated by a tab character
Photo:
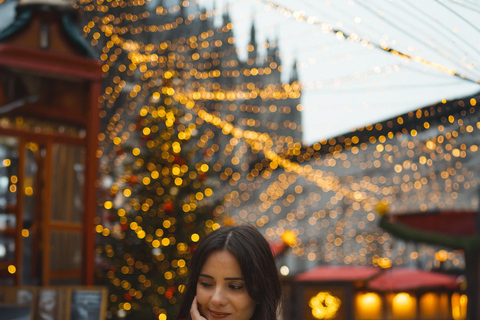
341	36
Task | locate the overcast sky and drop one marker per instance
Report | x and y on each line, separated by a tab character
347	85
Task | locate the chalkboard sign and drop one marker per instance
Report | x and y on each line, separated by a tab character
53	303
86	305
16	312
25	296
48	305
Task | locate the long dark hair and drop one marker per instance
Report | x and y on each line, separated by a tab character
256	262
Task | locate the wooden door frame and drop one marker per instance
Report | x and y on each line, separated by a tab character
46	225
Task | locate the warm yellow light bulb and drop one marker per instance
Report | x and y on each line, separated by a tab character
382	208
289	238
12	269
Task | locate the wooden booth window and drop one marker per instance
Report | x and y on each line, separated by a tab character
66	211
42	178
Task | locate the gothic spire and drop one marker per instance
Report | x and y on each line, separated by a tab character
294	74
226	17
252	48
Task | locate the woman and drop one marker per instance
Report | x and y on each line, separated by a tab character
233	277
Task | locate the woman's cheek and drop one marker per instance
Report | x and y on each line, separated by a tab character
202	296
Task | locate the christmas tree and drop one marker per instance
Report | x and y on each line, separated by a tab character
159	209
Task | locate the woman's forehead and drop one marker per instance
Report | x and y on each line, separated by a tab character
223	262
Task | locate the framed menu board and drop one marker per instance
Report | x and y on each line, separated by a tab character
53	303
87	303
17	303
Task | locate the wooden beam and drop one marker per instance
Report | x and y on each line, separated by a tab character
47	213
42	137
37	218
49	62
44	112
91	186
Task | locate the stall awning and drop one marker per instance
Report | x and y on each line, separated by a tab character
449	223
277	248
339	274
399	279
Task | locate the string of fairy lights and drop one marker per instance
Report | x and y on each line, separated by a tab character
262	141
212	119
436	43
312	20
342	35
325	193
111	19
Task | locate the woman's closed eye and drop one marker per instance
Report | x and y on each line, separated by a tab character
236	286
206	284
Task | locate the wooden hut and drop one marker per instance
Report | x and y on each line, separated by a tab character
369	293
50	83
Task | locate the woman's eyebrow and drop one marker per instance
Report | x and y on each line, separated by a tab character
207	276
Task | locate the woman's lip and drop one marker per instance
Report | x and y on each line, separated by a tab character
218	315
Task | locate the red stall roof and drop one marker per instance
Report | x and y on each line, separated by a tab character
399	279
451	223
338	273
277	248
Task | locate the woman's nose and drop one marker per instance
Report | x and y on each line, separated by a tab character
219	298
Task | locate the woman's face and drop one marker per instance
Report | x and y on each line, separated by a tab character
221	291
